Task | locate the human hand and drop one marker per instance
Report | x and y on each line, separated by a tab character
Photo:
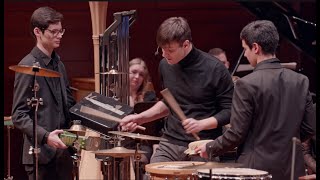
54	140
202	150
130	122
192	126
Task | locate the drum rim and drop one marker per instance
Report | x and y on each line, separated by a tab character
227	174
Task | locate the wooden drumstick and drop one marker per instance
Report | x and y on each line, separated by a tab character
94	112
175	107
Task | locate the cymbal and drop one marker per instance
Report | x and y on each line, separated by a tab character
210	165
112	71
118	152
137	136
39	71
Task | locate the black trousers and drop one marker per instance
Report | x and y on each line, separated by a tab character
59	168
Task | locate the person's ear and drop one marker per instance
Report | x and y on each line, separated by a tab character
256	48
186	43
37	31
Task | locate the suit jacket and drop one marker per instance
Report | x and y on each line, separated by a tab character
270	106
48	119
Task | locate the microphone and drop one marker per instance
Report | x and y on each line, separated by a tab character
157	51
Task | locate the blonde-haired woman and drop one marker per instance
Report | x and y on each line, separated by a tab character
140	86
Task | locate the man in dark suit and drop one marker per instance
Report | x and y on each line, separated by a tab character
270	106
54	159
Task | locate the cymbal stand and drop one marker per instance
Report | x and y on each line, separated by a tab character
210	159
34	102
137	158
106	167
9	177
76	163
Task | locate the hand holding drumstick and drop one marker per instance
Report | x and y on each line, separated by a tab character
176	108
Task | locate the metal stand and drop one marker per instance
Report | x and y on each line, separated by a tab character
76	163
106	167
9	177
34	102
137	158
210	159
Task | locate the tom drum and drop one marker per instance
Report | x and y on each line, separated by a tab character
234	173
172	170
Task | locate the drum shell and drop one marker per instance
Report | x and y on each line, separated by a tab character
172	171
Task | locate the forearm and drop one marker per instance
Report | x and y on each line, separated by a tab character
310	162
159	110
209	123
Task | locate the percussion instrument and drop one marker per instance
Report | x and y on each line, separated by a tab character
77	128
34	70
118	152
7	121
80	142
234	173
137	136
210	165
172	170
100	113
193	145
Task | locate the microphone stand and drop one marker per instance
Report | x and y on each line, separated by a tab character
34	102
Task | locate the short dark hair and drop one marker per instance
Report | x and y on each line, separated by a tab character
173	29
216	51
262	32
43	17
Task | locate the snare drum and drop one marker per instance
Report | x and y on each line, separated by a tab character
234	173
172	170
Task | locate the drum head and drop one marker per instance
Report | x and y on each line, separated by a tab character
172	168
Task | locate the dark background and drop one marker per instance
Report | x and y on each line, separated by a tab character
213	24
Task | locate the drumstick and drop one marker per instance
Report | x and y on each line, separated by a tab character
94	112
175	107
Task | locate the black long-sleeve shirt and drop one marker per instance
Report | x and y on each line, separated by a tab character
203	88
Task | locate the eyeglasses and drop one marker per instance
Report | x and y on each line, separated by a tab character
56	32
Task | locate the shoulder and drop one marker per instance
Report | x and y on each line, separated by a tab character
27	60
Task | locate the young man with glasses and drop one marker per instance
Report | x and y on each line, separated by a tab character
201	85
54	159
